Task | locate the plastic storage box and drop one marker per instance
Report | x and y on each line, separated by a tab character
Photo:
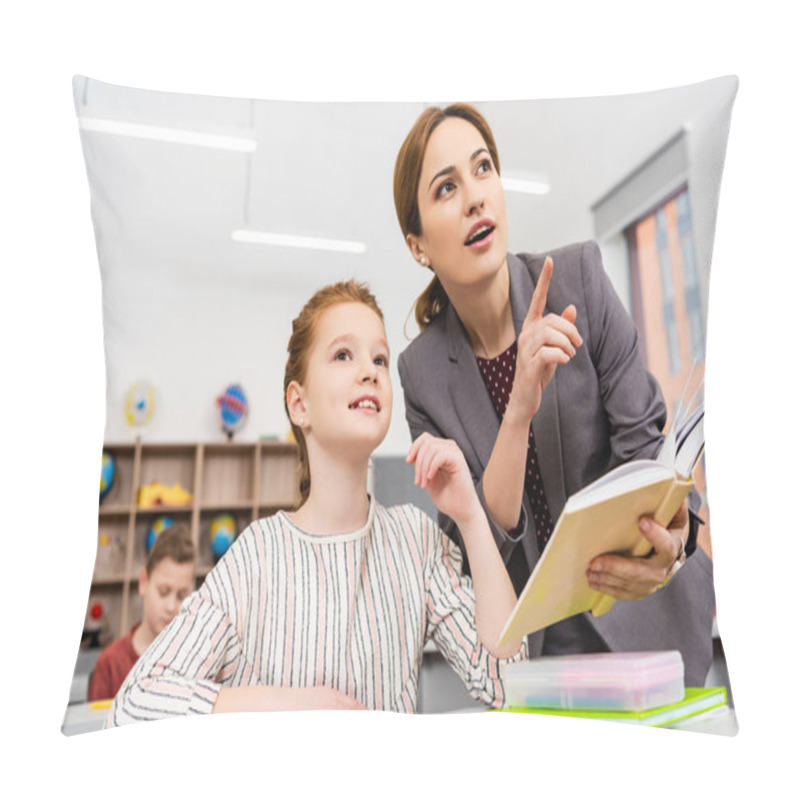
596	681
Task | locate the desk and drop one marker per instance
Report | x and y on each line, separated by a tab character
84	717
87	717
719	721
441	691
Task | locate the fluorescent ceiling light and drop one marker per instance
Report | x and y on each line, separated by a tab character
238	144
526	185
308	242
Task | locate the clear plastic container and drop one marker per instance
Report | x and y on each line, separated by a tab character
596	681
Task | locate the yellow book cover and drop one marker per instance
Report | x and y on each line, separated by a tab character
603	517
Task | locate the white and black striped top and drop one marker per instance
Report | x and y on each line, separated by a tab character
288	608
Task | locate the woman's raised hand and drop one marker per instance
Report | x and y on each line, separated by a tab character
440	467
543	343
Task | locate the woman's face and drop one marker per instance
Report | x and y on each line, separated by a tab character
346	396
462	208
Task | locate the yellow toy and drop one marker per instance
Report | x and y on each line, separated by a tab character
159	494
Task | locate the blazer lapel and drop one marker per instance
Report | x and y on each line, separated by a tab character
472	403
546	427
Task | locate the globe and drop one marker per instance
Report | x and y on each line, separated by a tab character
107	472
232	405
223	532
159	525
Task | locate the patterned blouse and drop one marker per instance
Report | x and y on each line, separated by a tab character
498	375
284	607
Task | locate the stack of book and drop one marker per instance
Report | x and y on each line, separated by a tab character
638	688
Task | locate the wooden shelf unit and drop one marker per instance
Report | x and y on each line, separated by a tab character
246	479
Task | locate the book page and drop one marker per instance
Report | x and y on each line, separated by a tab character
623	478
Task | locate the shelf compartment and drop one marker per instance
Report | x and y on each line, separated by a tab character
106	512
112	537
108	627
205	557
119	495
243	506
278	476
227	475
143	523
135	606
269	510
162	511
168	465
108	579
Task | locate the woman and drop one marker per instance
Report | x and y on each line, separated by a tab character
531	365
329	606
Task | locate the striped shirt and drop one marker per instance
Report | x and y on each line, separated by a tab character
287	608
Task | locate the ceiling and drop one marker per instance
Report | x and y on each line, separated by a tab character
325	170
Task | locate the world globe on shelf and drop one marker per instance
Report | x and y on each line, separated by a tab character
139	404
159	526
232	404
223	532
107	472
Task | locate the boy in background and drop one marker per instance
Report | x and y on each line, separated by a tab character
164	582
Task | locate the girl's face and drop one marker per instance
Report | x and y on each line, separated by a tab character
462	207
346	398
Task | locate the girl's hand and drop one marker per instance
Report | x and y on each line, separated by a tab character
440	468
543	343
322	698
282	698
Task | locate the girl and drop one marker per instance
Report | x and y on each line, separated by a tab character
330	606
540	383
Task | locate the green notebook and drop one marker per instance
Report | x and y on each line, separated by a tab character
695	701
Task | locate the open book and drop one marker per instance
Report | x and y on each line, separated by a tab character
603	518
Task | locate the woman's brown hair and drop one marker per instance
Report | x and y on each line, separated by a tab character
303	328
407	172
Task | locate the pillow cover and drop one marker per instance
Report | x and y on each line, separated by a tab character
215	220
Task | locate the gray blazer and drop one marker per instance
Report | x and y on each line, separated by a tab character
601	409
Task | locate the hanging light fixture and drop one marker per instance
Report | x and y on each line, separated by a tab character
247	235
175	135
526	185
307	242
